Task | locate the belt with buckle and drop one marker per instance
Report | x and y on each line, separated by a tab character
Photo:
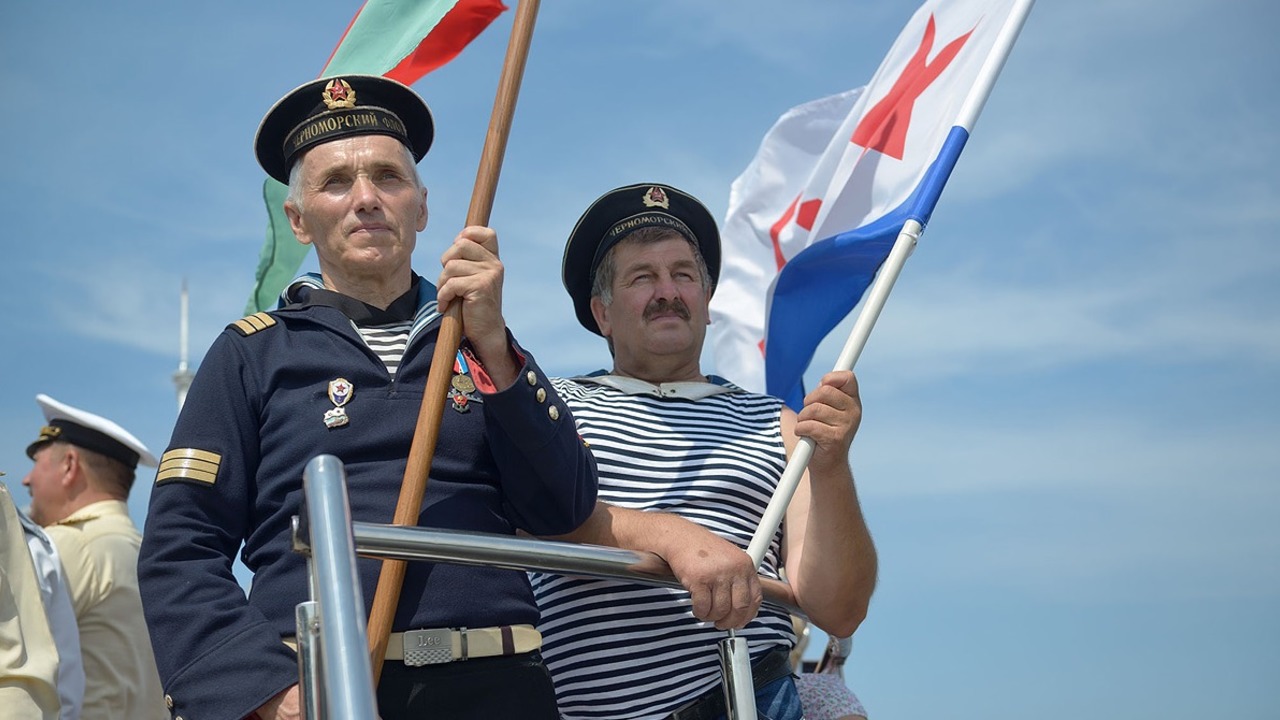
773	666
429	647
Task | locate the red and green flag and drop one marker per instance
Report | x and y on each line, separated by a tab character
400	39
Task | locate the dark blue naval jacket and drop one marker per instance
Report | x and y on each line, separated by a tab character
232	475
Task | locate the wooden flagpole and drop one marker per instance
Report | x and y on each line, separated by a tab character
427	432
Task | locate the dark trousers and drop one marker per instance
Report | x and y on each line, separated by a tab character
516	686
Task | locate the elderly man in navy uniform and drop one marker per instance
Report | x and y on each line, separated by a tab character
340	368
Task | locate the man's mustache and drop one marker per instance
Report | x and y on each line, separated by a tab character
663	305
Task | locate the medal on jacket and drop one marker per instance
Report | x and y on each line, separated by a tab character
340	392
463	387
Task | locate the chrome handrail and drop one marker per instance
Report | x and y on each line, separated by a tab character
462	547
345	672
332	539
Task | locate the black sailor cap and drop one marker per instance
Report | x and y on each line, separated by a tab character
621	211
337	107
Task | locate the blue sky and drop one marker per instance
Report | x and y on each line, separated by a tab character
1069	457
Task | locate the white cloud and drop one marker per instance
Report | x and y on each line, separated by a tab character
133	302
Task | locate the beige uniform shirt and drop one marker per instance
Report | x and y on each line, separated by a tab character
99	549
62	617
28	656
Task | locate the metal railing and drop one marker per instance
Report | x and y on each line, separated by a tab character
336	678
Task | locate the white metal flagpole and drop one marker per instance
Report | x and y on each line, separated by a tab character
877	295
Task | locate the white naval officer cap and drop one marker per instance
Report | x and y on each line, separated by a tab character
91	432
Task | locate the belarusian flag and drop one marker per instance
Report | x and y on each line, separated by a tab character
401	39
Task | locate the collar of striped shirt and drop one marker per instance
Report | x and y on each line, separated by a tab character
683	390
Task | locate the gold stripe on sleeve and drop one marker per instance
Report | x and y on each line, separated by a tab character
189	464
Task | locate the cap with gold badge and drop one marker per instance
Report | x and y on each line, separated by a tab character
621	211
336	107
64	423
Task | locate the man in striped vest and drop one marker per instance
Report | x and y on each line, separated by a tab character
687	464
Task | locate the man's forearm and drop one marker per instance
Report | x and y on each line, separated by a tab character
836	572
639	530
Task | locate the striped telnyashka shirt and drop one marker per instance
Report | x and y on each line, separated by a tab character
388	342
624	650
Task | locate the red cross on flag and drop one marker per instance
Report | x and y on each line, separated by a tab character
816	213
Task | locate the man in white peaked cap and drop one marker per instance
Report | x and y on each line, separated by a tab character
84	469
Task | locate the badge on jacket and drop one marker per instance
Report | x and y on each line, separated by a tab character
462	389
340	392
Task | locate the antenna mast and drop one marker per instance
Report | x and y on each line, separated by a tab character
182	377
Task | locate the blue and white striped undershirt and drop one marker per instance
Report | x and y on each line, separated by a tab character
388	342
623	650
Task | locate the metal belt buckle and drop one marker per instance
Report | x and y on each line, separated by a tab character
428	647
